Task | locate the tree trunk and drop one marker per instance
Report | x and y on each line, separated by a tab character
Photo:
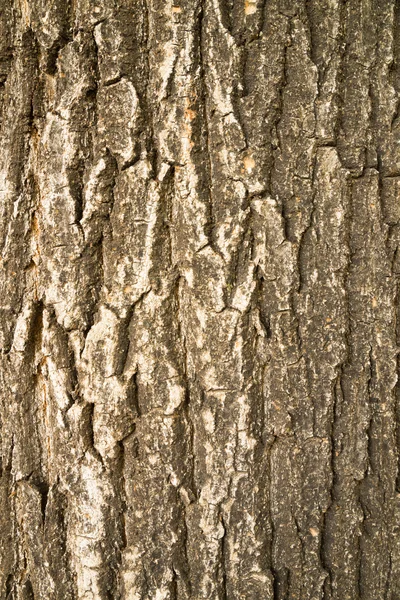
200	222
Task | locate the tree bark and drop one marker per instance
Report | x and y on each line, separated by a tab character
199	283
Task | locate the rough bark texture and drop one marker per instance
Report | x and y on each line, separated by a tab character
199	280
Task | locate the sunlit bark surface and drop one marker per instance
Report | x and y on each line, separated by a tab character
199	231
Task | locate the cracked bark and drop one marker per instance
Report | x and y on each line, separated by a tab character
199	289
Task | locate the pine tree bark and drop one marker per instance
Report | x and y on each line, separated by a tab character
199	282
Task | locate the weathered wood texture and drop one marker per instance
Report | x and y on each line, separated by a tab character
200	222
